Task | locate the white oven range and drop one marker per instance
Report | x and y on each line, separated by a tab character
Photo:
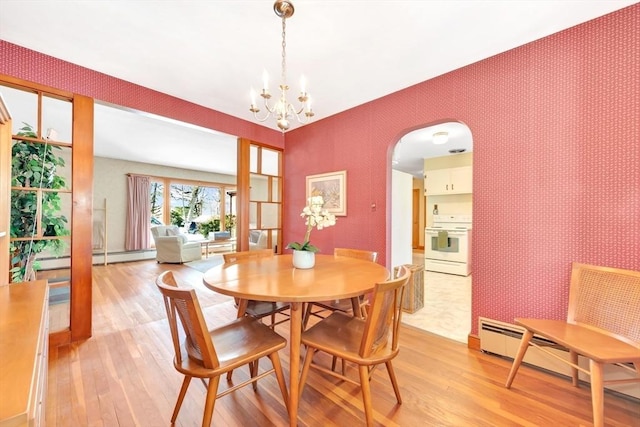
447	245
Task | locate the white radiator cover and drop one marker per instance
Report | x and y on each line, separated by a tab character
504	338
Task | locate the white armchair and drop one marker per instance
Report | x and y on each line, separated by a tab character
257	240
174	247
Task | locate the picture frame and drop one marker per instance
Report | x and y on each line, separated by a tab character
332	186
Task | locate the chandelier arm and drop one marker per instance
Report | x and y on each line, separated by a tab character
255	116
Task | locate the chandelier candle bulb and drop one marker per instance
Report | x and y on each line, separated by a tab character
253	99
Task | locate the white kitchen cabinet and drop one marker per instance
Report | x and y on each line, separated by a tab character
448	181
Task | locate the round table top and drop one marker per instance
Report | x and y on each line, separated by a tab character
275	278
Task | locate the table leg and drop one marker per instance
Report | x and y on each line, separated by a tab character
295	329
242	307
355	305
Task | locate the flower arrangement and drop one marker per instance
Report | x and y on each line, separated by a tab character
314	216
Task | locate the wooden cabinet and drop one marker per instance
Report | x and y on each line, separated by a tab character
449	181
24	332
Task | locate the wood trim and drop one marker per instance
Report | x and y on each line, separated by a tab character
4	112
34	87
59	338
243	180
82	218
473	342
415	218
5	199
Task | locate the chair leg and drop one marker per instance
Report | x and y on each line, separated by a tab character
524	345
253	371
597	393
573	358
308	357
366	393
275	361
183	392
334	361
394	381
306	315
210	402
229	375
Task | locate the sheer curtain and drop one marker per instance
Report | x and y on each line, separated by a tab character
138	213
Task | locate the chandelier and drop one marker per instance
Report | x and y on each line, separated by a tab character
282	110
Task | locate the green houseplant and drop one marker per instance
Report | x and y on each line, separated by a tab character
34	166
208	226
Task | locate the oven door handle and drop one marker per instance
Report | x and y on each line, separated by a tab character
449	232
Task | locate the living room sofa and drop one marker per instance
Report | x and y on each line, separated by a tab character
173	246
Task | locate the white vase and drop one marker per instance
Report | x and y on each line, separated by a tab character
304	259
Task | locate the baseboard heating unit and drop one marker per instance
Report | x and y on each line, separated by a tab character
503	339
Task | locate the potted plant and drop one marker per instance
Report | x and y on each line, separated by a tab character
230	223
34	166
315	216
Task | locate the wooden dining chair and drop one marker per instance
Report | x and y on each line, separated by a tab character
322	309
364	342
260	309
208	354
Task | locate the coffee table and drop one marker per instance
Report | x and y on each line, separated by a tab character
217	244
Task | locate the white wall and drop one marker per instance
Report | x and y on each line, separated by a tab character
401	218
110	182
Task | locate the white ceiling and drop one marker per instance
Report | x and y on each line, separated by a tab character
213	52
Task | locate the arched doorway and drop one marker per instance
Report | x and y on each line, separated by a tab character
441	146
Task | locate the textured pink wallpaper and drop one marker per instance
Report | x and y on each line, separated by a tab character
556	130
28	65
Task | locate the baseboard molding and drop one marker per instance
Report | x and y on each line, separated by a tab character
473	342
99	259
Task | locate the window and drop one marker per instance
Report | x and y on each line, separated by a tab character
189	205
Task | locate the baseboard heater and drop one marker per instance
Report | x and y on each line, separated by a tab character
503	339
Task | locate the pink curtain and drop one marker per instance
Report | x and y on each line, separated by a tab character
137	231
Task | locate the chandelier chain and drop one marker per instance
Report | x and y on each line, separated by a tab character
284	52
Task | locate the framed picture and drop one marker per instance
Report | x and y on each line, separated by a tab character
332	187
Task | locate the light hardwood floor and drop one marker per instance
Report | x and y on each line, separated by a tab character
123	375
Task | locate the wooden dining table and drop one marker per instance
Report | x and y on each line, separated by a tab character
275	279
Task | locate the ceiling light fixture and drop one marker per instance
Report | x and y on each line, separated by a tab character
440	137
283	110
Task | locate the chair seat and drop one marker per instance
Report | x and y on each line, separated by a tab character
259	309
587	342
343	305
237	343
341	335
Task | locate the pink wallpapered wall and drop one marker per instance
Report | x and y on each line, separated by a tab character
556	134
28	65
556	129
